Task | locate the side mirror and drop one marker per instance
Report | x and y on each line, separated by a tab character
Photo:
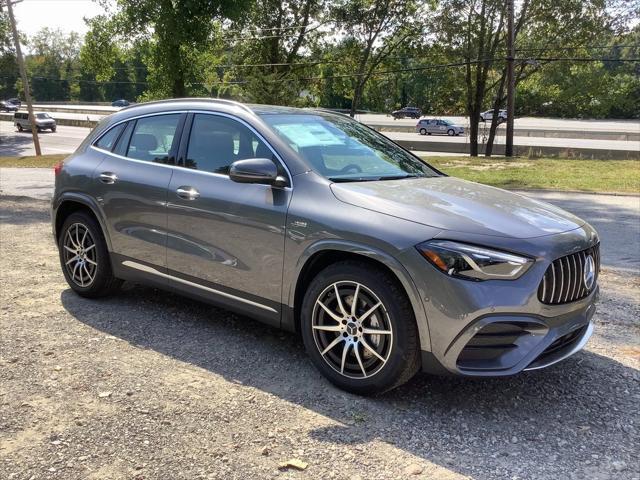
256	170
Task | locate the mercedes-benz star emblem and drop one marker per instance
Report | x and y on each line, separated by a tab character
589	274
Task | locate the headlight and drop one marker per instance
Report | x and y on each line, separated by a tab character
472	262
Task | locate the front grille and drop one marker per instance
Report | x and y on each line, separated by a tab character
563	282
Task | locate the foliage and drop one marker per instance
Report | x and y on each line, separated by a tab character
446	58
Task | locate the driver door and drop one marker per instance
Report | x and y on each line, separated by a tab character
226	239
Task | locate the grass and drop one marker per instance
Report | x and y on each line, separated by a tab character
44	161
545	173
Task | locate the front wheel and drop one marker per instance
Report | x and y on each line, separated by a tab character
359	329
84	257
19	127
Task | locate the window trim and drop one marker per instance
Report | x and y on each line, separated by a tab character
185	133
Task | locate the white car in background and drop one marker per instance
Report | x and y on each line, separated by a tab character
488	116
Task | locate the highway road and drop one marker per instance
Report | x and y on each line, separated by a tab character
67	139
577	125
64	140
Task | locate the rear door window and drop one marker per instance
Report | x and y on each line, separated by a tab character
153	138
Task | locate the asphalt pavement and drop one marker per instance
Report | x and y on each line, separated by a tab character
615	217
17	144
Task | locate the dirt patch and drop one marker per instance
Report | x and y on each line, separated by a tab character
149	385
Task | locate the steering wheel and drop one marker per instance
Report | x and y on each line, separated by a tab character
351	168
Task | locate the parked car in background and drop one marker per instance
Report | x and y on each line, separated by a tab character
7	106
488	116
315	223
15	101
407	112
120	103
438	127
44	121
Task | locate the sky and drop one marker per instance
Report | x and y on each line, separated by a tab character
67	15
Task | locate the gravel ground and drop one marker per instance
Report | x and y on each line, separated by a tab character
148	385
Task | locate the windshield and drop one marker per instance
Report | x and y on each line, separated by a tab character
344	150
42	115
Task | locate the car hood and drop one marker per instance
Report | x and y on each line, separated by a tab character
452	204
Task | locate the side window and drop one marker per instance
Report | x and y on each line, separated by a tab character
216	142
108	140
153	137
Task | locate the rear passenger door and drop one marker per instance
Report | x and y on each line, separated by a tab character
131	186
226	239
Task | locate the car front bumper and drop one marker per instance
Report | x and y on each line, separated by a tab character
498	327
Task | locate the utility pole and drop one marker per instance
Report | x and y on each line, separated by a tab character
23	74
511	81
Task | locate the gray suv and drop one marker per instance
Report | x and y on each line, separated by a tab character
312	222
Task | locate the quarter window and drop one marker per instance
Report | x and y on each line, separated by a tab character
107	140
153	137
216	142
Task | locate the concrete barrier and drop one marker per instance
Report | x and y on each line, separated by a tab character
523	150
533	132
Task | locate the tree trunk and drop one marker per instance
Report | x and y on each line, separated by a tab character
357	94
494	120
473	134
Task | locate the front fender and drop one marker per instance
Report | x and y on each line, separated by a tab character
374	254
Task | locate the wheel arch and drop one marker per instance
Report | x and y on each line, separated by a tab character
73	202
323	254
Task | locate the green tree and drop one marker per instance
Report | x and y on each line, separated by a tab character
180	29
377	28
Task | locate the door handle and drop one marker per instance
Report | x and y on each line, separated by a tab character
188	193
108	177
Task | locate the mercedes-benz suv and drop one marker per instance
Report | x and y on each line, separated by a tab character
312	222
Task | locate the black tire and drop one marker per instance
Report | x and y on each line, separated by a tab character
53	129
481	118
403	350
103	282
19	127
423	131
450	132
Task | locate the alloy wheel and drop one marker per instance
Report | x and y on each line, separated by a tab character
80	258
352	329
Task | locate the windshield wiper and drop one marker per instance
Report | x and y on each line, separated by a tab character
399	177
353	179
374	179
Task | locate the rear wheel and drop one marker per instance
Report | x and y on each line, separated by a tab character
84	257
359	329
450	132
19	127
423	131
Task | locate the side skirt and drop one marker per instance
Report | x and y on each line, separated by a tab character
259	308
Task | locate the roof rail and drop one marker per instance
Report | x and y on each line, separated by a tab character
192	99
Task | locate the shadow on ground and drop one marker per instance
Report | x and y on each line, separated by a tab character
547	421
17	143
